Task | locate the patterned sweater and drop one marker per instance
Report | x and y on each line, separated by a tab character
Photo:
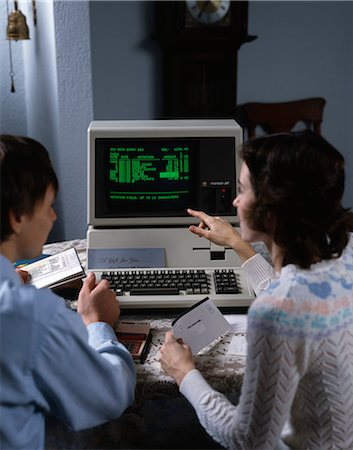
298	381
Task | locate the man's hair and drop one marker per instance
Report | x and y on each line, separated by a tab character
298	179
25	173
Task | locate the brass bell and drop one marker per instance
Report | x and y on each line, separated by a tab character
17	28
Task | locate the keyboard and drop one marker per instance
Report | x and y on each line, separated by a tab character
178	288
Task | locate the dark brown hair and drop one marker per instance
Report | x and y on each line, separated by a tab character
298	179
26	173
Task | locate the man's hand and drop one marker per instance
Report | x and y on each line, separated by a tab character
176	358
25	277
97	303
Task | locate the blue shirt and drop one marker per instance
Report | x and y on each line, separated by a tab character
51	363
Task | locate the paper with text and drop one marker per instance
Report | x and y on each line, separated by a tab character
123	258
55	269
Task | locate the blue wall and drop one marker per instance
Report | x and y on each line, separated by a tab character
304	49
125	60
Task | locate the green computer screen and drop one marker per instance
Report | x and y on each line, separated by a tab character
163	177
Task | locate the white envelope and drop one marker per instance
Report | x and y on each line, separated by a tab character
200	325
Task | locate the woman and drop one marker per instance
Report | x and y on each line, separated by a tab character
298	381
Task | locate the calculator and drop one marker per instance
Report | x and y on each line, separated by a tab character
136	337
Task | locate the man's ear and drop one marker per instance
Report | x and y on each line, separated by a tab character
16	222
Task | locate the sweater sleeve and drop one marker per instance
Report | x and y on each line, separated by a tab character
259	272
273	370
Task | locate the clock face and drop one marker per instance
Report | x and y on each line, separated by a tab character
208	12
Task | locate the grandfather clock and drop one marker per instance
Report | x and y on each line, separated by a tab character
200	41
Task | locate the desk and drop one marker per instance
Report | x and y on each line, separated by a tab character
160	416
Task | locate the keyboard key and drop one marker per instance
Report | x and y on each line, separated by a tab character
155	291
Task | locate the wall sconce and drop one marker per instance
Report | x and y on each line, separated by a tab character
17	30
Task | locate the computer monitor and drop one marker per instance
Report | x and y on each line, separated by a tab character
147	173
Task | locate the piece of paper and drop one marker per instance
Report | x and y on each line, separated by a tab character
238	322
200	325
55	269
237	345
124	258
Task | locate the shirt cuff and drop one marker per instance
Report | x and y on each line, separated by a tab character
194	386
100	332
259	272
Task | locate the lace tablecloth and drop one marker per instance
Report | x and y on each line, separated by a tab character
157	395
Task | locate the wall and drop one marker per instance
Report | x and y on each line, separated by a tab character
53	99
304	49
125	60
75	107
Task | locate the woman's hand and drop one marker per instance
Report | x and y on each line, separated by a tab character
221	232
176	358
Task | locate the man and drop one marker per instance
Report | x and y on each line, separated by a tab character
53	361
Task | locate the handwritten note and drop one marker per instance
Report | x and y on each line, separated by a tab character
124	258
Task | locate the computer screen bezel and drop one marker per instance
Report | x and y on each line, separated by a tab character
154	129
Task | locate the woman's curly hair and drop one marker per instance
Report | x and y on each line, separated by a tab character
298	179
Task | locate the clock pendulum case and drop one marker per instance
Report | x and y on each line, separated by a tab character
200	41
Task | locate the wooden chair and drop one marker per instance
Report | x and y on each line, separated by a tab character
282	117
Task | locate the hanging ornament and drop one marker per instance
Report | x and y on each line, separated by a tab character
17	29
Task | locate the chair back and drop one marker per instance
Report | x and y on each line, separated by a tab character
282	117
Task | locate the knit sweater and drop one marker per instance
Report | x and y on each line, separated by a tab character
298	381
